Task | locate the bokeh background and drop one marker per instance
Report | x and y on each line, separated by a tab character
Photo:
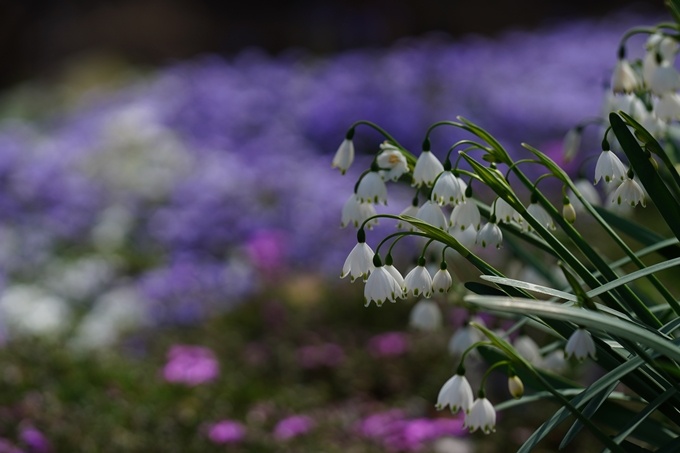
169	221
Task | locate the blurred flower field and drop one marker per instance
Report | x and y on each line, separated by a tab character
170	276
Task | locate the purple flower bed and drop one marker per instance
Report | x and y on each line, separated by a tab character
212	175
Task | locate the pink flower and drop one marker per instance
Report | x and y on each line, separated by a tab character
190	365
226	432
267	250
388	344
293	426
35	440
328	354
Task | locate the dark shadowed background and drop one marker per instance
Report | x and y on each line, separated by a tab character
38	36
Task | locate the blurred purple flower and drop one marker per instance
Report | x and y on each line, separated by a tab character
190	365
34	440
388	344
226	432
7	447
316	356
293	426
267	250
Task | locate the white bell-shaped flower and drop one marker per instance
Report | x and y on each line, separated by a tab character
481	416
412	211
666	46
442	281
464	337
490	235
650	64
392	159
505	212
381	287
629	192
654	125
394	272
418	281
665	79
587	191
609	167
580	345
571	144
466	235
359	262
527	348
426	316
427	169
624	79
355	213
372	189
555	362
431	213
541	215
448	189
568	212
456	393
466	214
344	156
668	107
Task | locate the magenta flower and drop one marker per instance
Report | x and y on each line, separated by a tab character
7	447
191	365
293	426
227	432
267	250
34	440
388	344
328	354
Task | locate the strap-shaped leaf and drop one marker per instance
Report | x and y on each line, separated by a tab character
484	290
667	205
590	409
642	416
581	317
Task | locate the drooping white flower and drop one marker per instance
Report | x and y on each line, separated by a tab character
571	144
650	64
527	348
654	125
418	281
481	416
381	287
505	212
393	160
568	212
580	345
609	167
555	362
359	262
426	316
666	46
456	393
624	79
427	169
442	281
372	189
490	235
448	189
668	107
465	214
355	213
412	211
464	337
541	215
467	236
396	275
344	156
629	192
431	213
515	386
665	79
587	191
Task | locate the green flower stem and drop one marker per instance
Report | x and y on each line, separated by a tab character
640	309
401	235
636	31
471	348
490	369
422	255
521	161
672	302
409	157
474	144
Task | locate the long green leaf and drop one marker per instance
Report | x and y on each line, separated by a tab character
642	416
590	409
656	188
581	317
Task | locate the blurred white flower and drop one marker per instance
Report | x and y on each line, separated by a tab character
465	214
580	345
30	310
431	213
426	316
344	156
355	213
372	189
624	79
392	159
